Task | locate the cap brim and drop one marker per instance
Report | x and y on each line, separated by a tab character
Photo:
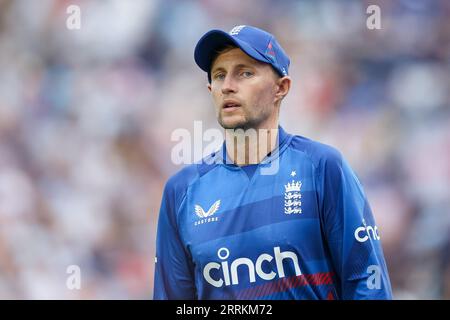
213	40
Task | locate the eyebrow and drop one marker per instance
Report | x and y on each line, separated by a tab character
239	66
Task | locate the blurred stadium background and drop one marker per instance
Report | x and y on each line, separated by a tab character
86	118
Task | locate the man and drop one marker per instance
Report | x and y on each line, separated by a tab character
293	223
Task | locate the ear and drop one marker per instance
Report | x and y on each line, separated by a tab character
208	85
283	86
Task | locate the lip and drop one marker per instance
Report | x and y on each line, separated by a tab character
230	105
230	109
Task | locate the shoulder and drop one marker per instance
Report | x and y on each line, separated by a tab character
181	179
179	182
332	171
320	154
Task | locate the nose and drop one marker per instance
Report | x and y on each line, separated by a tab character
229	85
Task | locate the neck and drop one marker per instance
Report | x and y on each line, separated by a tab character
251	146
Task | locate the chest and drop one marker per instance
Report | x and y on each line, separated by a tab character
228	203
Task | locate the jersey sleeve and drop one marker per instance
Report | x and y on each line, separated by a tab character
174	278
352	236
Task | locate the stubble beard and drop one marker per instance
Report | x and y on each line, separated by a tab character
252	122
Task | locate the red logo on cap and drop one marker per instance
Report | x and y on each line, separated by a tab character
269	50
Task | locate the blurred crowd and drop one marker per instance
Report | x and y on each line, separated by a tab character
86	118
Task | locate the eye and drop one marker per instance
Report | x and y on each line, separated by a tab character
219	76
247	74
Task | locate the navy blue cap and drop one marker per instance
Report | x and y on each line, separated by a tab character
257	43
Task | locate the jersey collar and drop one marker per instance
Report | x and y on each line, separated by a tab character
283	140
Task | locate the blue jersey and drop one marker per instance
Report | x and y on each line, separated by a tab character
298	227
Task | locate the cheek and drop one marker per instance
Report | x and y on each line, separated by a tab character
216	95
264	96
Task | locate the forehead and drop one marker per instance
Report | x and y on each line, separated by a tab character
232	57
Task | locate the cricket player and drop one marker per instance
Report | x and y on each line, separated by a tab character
284	218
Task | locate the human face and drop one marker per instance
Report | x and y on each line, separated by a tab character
244	91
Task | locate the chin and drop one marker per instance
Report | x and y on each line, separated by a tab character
233	124
238	122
